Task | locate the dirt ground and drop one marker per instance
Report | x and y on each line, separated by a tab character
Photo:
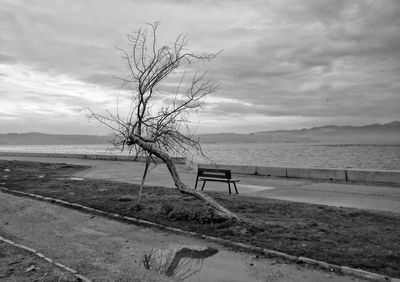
20	265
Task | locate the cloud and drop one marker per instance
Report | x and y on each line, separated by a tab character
37	100
346	55
333	60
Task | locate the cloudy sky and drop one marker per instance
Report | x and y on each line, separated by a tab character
285	64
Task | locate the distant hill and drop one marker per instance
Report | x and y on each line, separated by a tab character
34	138
388	133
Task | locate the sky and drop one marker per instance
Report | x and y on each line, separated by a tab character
285	64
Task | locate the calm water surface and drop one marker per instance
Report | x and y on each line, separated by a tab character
266	154
308	155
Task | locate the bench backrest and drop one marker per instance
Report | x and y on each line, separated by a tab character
214	172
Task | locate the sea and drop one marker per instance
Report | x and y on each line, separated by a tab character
279	154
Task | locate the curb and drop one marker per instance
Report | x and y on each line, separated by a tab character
269	253
42	256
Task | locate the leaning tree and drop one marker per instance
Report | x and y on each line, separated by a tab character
163	131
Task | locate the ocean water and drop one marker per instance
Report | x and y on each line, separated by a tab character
361	156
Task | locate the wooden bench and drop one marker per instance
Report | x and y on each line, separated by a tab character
217	175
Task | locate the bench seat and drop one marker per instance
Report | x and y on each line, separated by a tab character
216	175
218	179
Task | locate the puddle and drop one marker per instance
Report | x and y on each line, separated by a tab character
197	264
257	187
76	178
181	262
6	169
70	178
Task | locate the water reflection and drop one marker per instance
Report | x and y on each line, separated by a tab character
181	262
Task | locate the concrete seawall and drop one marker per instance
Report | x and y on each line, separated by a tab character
86	156
381	176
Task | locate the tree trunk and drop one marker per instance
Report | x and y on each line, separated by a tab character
143	179
182	187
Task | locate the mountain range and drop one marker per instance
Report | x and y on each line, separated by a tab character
36	138
388	133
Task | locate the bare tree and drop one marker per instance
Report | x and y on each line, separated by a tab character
161	132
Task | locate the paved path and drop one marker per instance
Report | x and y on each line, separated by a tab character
302	190
106	250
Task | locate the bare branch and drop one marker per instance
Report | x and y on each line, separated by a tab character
164	133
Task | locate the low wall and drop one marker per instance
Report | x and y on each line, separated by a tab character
392	176
271	171
237	169
318	173
383	176
87	156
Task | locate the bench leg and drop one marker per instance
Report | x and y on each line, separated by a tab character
234	185
204	183
197	179
229	186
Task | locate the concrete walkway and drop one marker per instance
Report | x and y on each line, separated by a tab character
106	250
361	196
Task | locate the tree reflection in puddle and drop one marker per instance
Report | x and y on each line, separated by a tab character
181	262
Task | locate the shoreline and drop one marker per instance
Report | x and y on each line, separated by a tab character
268	154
